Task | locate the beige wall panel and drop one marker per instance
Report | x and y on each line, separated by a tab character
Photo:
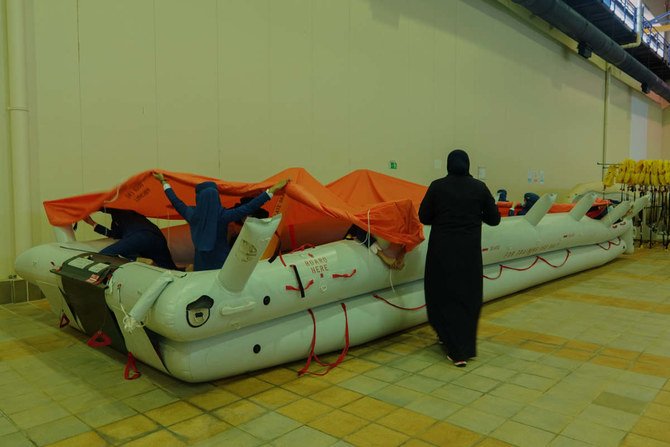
56	138
58	115
618	127
379	89
665	151
540	108
486	89
186	86
446	109
118	90
654	131
6	215
417	159
329	150
244	89
36	212
291	89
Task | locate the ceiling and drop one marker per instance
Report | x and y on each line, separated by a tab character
657	7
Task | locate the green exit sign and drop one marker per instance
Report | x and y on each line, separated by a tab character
393	164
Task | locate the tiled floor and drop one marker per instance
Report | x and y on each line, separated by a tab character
580	361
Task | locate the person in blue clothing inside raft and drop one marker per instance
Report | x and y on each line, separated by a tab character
529	200
209	220
137	237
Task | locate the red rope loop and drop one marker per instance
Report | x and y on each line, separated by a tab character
344	275
502	267
130	366
303	247
64	320
610	244
99	339
395	305
312	354
297	289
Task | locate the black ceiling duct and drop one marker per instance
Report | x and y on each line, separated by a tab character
563	17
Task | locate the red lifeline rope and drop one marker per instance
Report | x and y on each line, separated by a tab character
130	366
99	339
64	320
344	275
301	248
312	354
537	258
291	233
395	305
298	289
610	244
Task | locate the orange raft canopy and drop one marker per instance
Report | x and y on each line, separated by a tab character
311	212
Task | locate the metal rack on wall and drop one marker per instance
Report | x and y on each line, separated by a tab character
617	19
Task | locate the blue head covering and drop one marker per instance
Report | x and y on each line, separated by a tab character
529	200
458	163
205	216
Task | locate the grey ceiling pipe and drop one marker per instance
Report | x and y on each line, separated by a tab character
563	17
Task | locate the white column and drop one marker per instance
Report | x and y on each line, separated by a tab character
18	123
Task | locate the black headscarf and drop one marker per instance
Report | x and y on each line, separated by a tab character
458	163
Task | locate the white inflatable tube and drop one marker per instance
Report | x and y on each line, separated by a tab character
252	314
137	314
246	252
288	338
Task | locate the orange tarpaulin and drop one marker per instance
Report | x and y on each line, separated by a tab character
363	187
307	206
311	212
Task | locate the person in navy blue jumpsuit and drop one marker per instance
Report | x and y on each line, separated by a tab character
137	237
208	220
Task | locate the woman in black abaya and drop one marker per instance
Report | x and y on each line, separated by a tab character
455	207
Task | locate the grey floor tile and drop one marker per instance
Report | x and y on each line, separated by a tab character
532	381
57	430
420	383
387	374
233	437
523	435
7	426
476	382
269	426
304	436
397	395
515	393
543	419
434	407
364	385
458	394
476	420
495	372
609	417
16	439
593	433
564	441
619	402
497	405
